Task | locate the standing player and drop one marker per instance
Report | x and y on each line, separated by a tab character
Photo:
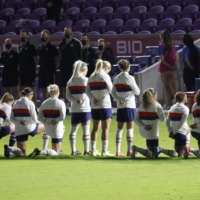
177	123
124	91
5	112
80	112
48	61
98	90
28	61
148	115
70	49
24	117
10	60
52	114
87	53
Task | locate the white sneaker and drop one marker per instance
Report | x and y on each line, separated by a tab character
96	153
107	153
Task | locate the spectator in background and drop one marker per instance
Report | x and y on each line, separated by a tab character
10	60
54	9
49	61
167	67
87	53
28	61
191	62
70	49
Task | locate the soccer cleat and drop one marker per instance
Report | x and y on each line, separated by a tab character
107	153
75	153
119	154
157	151
133	151
89	153
6	151
129	153
95	153
61	152
35	152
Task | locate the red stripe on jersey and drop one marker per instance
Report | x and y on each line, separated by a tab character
151	114
171	114
77	87
21	110
97	84
51	111
196	112
122	86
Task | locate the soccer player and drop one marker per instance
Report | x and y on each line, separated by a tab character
52	114
98	89
124	91
24	117
80	111
196	125
5	112
49	61
177	123
147	117
10	60
70	49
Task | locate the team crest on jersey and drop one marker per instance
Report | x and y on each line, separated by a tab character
11	56
71	45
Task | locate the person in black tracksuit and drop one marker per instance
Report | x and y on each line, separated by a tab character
70	49
87	54
48	61
10	60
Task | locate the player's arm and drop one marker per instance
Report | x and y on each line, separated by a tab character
161	114
69	96
57	61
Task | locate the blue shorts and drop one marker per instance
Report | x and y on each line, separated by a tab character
101	114
5	130
56	140
180	139
196	136
82	118
152	143
126	114
22	138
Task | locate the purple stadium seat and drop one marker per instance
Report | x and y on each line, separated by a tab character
77	33
118	58
22	13
157	9
122	10
173	9
191	9
195	27
88	13
49	25
144	32
143	61
195	31
139	9
192	2
151	50
149	22
72	11
183	23
127	33
64	24
2	23
38	14
115	23
82	23
106	10
99	23
110	33
132	22
6	14
15	23
165	23
196	22
179	32
10	33
94	33
134	68
15	4
58	33
89	10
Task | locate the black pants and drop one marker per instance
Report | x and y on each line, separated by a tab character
53	13
189	79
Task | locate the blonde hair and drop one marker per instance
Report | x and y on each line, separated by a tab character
78	65
148	97
6	98
53	90
100	65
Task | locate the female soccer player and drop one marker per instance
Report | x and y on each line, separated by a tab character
52	113
177	123
80	111
98	89
24	117
5	112
196	125
168	57
124	91
147	117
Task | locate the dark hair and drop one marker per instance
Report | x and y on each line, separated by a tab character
26	91
24	31
179	96
84	34
193	52
6	98
167	40
124	64
197	98
148	97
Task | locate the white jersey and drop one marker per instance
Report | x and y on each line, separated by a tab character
196	117
24	109
149	116
99	87
5	112
177	119
53	109
125	88
76	90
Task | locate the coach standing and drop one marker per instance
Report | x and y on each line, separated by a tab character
70	49
28	61
48	61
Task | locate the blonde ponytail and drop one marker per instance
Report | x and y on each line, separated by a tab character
6	98
148	97
99	66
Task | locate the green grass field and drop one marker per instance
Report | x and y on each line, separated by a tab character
99	178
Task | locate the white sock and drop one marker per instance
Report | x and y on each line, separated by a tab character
129	138
72	138
45	138
93	145
188	142
105	145
145	152
48	152
118	139
16	151
170	153
86	137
